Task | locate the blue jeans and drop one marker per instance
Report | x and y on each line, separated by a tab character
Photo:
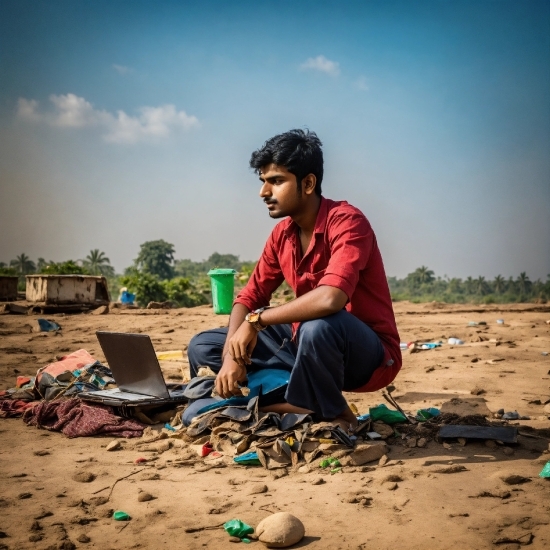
332	354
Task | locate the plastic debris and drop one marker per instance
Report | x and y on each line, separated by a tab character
237	528
206	449
329	462
546	470
168	427
363	417
248	459
510	415
119	515
336	470
381	412
404	345
140	460
500	321
430	345
47	326
455	341
426	414
545	353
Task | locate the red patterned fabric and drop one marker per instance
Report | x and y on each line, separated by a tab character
75	418
13	408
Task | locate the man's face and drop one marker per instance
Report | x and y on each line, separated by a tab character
280	191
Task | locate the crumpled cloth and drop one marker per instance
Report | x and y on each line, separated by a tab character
75	418
13	408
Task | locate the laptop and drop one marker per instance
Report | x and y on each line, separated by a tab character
136	370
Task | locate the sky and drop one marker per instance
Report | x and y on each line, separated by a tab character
129	121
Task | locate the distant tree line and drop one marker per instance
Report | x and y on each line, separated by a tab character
156	275
422	286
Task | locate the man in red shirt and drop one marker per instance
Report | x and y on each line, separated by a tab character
339	333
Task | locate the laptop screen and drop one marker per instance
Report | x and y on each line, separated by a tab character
133	362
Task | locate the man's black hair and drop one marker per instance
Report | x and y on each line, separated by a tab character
298	151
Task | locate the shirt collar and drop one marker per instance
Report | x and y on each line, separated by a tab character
320	222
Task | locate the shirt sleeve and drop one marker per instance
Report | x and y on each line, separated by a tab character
265	279
351	241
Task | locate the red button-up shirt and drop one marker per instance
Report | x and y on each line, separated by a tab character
343	253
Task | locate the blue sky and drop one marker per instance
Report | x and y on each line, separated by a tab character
122	122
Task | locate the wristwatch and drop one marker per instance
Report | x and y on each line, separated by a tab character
254	319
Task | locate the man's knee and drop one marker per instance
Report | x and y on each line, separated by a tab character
314	330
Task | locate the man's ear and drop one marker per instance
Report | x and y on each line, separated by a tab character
309	183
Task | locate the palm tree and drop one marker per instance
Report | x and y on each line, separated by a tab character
424	274
480	285
97	263
524	283
23	264
499	284
469	283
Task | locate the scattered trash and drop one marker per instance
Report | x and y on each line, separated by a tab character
510	415
455	341
140	460
472	324
169	427
363	417
500	321
425	414
329	462
174	355
404	345
113	446
237	528
506	434
374	435
119	515
248	459
207	448
546	470
280	530
545	353
43	325
381	412
430	345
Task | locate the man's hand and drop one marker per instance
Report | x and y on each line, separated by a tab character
226	380
241	345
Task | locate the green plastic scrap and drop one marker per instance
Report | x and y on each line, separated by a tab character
381	412
329	462
248	459
336	470
119	515
546	470
237	528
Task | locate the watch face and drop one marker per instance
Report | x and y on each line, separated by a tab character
254	317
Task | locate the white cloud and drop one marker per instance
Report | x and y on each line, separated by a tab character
122	69
322	64
361	84
71	111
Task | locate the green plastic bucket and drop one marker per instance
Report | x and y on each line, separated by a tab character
223	283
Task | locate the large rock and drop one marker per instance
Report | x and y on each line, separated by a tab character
364	453
280	530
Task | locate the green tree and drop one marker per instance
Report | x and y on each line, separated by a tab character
499	284
23	265
146	287
180	291
423	275
524	283
156	258
97	263
70	267
469	284
481	286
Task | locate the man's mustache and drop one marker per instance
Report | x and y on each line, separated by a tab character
270	201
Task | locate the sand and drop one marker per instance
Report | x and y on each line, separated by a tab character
406	503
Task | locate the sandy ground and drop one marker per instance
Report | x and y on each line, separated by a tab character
40	501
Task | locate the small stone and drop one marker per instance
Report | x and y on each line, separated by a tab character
392	478
41	453
66	545
163	446
35	537
234	539
35	526
351	500
383	460
83	477
421	442
318	481
447	446
391	486
83	538
514	479
280	530
462	441
258	490
23	496
101	310
508	451
303	469
98	501
478	391
145	497
491	444
113	446
411	442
